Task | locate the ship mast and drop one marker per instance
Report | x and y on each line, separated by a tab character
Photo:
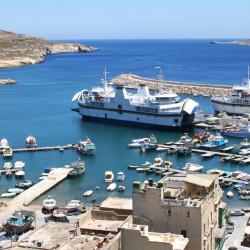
248	77
105	79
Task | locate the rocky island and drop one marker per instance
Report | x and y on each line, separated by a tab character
240	42
19	49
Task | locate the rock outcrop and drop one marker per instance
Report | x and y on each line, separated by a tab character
240	42
19	49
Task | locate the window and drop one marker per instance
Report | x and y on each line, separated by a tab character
106	115
169	212
184	233
188	213
119	106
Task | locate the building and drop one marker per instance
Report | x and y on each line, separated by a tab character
190	205
134	237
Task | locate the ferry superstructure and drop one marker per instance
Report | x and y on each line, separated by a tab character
238	103
118	103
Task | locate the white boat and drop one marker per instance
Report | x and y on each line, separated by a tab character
49	203
20	174
161	149
109	176
42	178
191	167
86	147
119	103
7	195
121	188
19	165
134	145
88	193
237	103
73	205
31	142
230	194
7	152
4	143
208	154
111	187
245	143
120	176
15	190
158	161
7	165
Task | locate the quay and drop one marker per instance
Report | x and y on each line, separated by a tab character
46	148
25	198
177	87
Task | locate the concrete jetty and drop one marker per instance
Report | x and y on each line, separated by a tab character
177	87
25	198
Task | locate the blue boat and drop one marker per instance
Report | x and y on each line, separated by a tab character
184	151
216	142
240	132
120	176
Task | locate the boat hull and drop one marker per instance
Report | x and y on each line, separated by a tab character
232	109
238	134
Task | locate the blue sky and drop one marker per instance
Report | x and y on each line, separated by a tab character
91	19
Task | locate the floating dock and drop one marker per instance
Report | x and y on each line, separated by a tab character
25	198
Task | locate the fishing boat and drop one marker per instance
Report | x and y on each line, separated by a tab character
86	147
139	107
19	165
108	176
236	103
111	187
152	144
7	165
184	140
19	223
24	184
245	143
184	151
4	143
88	193
240	132
136	143
230	194
78	168
7	152
49	203
121	188
7	195
120	176
191	167
20	174
217	141
15	190
73	205
158	161
31	142
216	171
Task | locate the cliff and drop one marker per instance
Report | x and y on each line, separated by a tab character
240	42
19	49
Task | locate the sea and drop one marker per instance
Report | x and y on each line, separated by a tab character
40	105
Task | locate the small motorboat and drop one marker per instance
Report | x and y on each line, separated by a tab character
8	174
78	168
7	165
184	151
49	203
31	142
4	143
42	178
19	165
7	195
230	194
168	164
24	184
20	174
73	205
120	176
15	190
245	143
7	152
208	155
88	193
111	187
121	188
134	145
161	149
86	147
191	167
109	176
158	161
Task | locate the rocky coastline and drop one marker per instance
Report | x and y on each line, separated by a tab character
240	42
177	87
19	49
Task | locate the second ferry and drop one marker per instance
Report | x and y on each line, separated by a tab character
136	106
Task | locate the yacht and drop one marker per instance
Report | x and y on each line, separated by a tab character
237	103
135	106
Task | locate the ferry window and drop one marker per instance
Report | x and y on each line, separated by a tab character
169	212
188	214
119	106
138	119
106	115
176	120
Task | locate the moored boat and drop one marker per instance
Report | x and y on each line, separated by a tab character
111	187
88	193
7	152
31	142
240	132
19	165
4	143
108	176
24	184
121	188
120	176
158	161
7	195
184	151
15	190
217	141
191	167
230	194
78	168
7	165
73	205
86	147
49	203
20	174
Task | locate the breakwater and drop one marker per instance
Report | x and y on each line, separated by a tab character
177	87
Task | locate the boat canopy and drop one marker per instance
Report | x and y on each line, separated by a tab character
78	94
190	106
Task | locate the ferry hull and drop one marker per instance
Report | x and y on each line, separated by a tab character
230	109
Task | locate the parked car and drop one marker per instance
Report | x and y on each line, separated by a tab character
237	212
230	229
232	248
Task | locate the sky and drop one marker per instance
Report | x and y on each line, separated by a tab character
126	19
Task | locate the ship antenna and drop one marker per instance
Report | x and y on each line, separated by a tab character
105	78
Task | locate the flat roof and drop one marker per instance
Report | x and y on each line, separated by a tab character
204	180
117	203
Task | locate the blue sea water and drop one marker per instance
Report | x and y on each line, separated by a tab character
39	104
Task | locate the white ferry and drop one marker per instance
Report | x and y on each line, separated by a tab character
118	103
238	103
